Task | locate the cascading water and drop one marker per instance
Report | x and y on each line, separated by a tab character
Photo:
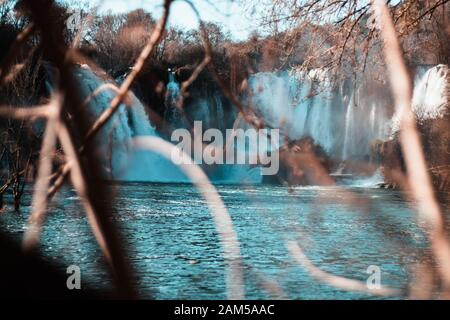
301	103
203	113
209	110
220	113
173	87
131	120
307	103
430	96
173	114
119	161
349	129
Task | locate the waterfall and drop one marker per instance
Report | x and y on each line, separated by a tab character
299	102
208	109
220	119
430	95
129	121
202	112
173	114
349	129
173	87
307	103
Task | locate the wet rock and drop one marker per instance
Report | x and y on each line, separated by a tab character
302	162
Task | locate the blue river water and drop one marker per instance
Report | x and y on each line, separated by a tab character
175	253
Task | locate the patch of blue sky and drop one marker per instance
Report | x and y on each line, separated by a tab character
234	16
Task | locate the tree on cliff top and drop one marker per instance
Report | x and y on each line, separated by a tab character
338	34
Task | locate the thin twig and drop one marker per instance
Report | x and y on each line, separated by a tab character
21	38
79	183
122	93
88	179
39	200
146	53
222	219
24	112
333	280
185	85
419	178
99	90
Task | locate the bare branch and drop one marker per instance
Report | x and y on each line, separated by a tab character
21	38
122	93
80	186
420	181
85	176
333	280
222	219
126	85
39	202
185	85
25	112
99	90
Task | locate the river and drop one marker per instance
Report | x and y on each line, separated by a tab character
173	246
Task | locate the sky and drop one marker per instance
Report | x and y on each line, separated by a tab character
232	15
